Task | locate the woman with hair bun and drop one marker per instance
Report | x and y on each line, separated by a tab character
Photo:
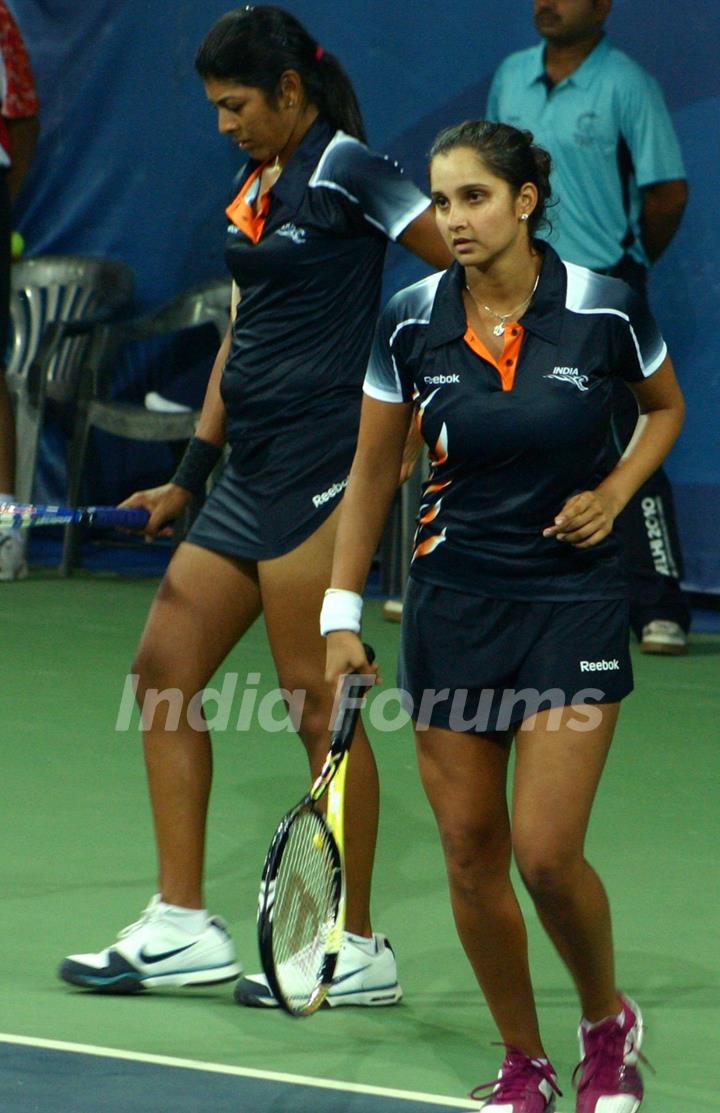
515	623
310	218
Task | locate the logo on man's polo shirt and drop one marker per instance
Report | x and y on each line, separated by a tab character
441	380
568	375
586	125
297	235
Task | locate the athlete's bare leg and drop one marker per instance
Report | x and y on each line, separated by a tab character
557	772
465	777
204	605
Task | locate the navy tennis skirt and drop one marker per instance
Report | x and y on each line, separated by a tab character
475	665
276	492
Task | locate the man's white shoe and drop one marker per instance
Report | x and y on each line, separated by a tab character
366	974
393	610
664	636
13	543
156	952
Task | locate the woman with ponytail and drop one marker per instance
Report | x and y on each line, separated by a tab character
309	221
515	625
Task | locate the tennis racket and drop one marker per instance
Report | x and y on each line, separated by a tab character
301	913
16	515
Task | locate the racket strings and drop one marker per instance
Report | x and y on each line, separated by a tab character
305	907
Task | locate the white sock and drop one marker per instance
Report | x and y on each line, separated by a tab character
192	920
369	946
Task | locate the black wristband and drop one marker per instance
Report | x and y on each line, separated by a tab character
196	465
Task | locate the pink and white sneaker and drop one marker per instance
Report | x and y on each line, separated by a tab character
523	1085
609	1050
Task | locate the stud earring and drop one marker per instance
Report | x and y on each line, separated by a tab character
524	216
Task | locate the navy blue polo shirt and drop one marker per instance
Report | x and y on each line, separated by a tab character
310	286
511	441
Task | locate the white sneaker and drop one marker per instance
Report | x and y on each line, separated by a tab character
155	952
360	979
13	543
393	610
663	636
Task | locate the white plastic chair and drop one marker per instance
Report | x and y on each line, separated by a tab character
49	295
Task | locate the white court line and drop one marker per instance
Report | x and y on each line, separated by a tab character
243	1072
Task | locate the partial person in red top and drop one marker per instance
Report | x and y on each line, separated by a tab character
18	135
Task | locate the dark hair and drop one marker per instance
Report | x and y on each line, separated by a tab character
255	46
506	151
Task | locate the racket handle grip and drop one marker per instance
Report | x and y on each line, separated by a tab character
120	517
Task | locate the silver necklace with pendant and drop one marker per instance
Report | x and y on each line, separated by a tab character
502	318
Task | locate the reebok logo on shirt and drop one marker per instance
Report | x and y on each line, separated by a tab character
569	375
600	666
441	380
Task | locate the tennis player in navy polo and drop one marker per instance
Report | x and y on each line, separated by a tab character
515	626
308	225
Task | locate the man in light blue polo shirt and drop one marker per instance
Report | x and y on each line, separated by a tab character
619	182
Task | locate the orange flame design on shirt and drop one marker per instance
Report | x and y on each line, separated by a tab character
429	545
431	514
439	454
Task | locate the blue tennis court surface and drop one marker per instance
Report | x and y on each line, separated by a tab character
49	1077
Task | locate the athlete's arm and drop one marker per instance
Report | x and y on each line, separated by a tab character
211	426
365	507
588	517
414	444
662	210
424	240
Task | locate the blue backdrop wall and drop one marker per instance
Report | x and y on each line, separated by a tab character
130	164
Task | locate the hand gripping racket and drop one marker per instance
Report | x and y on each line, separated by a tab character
301	913
16	515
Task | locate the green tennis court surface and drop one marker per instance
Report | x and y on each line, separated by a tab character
78	864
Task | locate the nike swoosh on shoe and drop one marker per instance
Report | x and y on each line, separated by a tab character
150	959
351	974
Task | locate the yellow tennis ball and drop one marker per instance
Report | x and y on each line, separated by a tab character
17	245
317	840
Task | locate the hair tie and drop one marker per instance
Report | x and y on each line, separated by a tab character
318	53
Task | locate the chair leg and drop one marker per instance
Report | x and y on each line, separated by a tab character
28	420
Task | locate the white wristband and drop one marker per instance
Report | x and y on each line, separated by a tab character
341	610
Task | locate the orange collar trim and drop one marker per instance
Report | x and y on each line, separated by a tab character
243	215
507	364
